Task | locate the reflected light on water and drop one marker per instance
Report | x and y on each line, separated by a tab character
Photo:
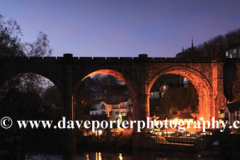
162	159
87	156
120	156
98	156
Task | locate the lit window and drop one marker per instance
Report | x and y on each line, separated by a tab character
162	94
230	55
234	51
226	54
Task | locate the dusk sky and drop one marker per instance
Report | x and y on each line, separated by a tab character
122	28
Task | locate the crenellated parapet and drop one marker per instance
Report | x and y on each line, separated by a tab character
138	73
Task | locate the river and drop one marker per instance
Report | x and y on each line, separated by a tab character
135	155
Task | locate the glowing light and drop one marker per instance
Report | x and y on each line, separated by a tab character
87	156
201	118
176	119
99	134
98	156
120	156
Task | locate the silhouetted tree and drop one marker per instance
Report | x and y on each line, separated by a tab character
52	95
10	33
211	47
108	79
236	90
21	97
180	99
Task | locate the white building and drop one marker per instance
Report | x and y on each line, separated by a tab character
114	111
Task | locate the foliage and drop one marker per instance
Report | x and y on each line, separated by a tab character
21	96
236	89
10	33
52	95
183	99
20	105
40	47
108	79
11	46
83	93
209	47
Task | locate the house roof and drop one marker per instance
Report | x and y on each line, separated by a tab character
232	107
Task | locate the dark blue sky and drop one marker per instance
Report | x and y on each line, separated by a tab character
125	28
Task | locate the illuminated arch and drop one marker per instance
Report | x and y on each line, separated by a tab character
199	81
111	72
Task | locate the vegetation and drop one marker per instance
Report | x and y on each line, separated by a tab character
214	47
179	98
236	89
211	46
21	96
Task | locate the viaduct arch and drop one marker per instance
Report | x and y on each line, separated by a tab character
138	73
200	82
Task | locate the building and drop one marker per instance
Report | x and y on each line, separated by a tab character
155	95
232	50
114	101
232	112
163	89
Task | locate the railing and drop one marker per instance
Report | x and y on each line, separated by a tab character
172	139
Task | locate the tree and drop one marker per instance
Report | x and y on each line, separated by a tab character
108	79
10	41
52	95
236	90
10	44
211	47
21	97
40	47
184	99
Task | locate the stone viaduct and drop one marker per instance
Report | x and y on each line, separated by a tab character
138	73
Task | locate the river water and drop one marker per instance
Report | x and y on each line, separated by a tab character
136	155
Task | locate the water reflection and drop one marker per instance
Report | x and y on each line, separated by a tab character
120	156
136	155
104	156
87	156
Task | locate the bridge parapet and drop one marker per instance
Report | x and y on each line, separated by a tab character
141	58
